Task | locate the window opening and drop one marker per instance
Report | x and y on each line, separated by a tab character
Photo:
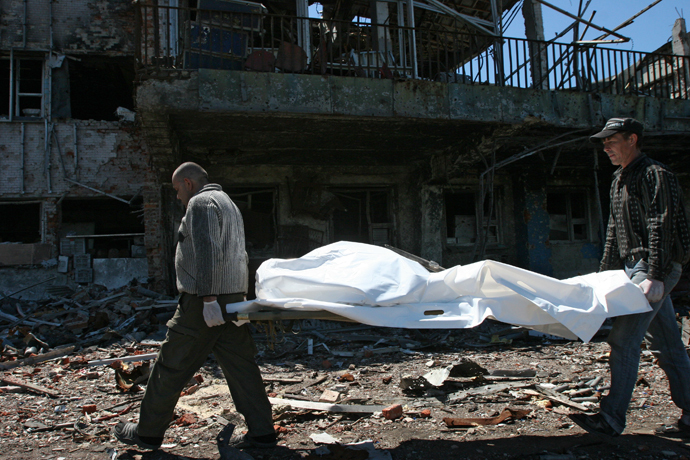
568	216
257	206
98	86
462	216
20	223
21	87
112	228
364	216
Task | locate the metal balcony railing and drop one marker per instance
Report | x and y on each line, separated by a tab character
177	38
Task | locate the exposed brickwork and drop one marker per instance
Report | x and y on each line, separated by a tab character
78	26
107	158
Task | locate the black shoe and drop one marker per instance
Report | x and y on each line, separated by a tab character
595	424
127	433
676	430
244	441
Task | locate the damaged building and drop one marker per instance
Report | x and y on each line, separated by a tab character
416	125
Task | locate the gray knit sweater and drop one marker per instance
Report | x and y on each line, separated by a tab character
210	258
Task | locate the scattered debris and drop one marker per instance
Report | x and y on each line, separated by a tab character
508	413
353	383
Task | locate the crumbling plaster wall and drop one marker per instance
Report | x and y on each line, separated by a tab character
78	26
104	156
536	252
405	203
434	245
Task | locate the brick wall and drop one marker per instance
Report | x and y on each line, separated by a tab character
78	25
105	157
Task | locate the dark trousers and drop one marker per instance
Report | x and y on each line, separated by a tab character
185	349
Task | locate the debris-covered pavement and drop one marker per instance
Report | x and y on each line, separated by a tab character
75	364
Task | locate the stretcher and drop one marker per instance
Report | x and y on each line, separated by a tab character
373	285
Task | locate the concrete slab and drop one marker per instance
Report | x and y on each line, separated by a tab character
115	273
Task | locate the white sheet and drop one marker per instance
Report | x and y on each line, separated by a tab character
376	286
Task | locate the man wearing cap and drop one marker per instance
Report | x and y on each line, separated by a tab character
647	236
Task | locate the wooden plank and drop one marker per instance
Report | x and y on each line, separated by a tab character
124	359
326	407
37	359
282	380
29	386
559	398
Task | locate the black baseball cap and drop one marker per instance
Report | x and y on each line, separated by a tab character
618	125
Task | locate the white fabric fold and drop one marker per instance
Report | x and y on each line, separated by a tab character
373	285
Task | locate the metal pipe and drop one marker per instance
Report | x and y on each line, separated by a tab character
47	155
23	141
578	19
28	287
25	24
279	315
602	231
413	38
12	102
64	173
44	222
539	148
76	153
48	98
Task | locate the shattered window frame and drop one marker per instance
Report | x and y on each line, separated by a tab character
375	227
494	226
243	197
576	214
17	94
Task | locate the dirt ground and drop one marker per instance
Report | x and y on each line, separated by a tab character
366	366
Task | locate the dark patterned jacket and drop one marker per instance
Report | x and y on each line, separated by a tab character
647	219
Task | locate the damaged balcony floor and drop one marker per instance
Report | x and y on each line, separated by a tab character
65	408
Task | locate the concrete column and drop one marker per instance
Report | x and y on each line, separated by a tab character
432	224
50	223
532	224
381	40
681	47
158	238
534	30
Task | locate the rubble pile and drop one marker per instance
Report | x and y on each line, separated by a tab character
86	316
74	365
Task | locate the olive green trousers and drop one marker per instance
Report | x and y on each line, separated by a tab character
188	344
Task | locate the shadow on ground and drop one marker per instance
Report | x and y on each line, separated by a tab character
629	446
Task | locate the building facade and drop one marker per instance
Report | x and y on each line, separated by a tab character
414	125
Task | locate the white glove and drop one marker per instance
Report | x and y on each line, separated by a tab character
212	314
653	290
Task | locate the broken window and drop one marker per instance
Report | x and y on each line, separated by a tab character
462	215
99	85
21	87
568	216
363	216
20	222
110	228
258	212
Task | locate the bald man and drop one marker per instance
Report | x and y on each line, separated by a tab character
211	271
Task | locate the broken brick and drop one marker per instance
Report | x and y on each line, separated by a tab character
329	396
393	412
88	409
186	419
